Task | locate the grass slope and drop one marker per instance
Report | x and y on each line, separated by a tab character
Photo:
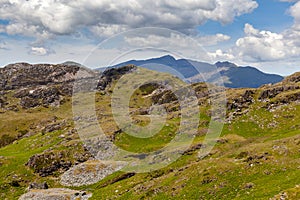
257	156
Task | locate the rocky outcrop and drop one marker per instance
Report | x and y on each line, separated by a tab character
111	74
294	78
56	194
163	96
291	96
43	95
274	91
21	75
89	172
53	127
242	101
40	84
48	163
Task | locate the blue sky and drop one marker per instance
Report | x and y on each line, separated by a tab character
262	33
270	15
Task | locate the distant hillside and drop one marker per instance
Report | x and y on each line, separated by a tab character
188	70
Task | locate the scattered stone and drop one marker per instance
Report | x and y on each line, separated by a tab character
27	102
281	196
222	141
256	159
208	180
242	155
249	185
89	173
193	148
43	185
55	194
53	127
14	183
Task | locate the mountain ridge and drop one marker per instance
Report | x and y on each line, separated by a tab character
193	71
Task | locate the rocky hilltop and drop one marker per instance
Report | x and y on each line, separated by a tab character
20	75
35	85
42	155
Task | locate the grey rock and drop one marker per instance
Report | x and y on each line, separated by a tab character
89	172
55	194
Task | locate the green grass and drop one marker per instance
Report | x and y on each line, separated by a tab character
14	158
223	174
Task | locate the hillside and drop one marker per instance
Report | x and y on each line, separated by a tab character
42	155
189	70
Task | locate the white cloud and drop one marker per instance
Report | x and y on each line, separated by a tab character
266	46
295	12
50	21
225	11
26	30
271	52
39	18
220	55
40	51
176	40
107	30
210	40
261	45
156	40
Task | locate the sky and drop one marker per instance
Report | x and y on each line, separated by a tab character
262	33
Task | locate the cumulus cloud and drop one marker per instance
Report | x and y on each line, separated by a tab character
266	46
295	13
261	45
104	17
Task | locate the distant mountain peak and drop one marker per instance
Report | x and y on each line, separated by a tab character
167	57
225	64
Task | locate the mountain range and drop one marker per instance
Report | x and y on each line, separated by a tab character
194	71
